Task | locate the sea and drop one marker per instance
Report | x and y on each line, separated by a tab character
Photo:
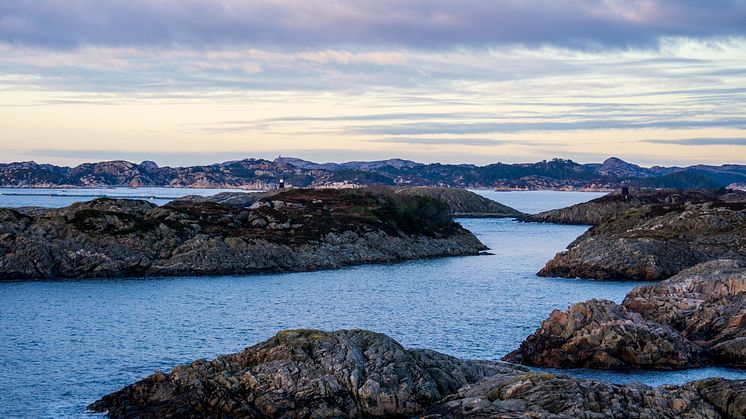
66	343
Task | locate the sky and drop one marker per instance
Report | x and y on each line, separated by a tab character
185	82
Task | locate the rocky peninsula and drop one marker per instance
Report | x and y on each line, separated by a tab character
614	204
295	230
461	203
654	242
696	318
356	373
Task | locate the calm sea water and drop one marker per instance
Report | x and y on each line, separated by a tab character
63	344
60	197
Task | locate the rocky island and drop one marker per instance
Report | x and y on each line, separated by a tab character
460	202
294	230
696	318
356	373
654	242
614	204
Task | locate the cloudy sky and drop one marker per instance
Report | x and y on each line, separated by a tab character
199	81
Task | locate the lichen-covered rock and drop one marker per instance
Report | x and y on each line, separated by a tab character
604	335
303	374
655	242
295	230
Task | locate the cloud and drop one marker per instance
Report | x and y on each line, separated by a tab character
701	141
492	127
432	24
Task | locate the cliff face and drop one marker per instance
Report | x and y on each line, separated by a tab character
290	231
654	242
693	319
356	373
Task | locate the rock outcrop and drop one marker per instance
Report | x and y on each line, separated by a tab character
695	318
355	373
294	230
706	304
603	335
614	204
303	373
654	242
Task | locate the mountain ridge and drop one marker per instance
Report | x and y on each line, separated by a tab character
560	174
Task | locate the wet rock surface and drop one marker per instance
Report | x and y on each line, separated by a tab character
295	230
695	318
355	373
654	242
614	204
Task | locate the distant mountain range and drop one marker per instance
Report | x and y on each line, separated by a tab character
265	174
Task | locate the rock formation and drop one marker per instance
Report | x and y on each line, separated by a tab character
355	373
695	318
614	204
654	242
294	230
604	335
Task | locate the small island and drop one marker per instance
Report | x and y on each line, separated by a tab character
292	230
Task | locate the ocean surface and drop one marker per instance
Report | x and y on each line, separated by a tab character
63	344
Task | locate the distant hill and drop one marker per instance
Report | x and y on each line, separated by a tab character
265	174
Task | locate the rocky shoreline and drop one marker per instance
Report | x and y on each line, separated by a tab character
295	230
356	373
696	318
